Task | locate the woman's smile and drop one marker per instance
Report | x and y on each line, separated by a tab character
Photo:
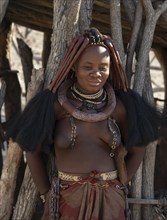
93	69
94	82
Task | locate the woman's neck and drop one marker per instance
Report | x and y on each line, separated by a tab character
84	94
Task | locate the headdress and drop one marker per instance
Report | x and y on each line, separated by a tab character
78	45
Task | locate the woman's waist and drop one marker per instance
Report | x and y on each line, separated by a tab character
78	164
111	175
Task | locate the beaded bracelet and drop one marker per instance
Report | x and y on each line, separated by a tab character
42	196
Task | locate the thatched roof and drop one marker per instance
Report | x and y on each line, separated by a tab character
38	14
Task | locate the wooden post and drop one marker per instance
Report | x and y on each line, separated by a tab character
26	60
27	198
148	179
2	95
65	26
8	180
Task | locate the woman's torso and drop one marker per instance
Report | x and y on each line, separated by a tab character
92	144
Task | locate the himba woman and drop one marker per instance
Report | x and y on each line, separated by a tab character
97	128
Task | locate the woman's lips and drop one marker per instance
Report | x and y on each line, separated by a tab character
94	83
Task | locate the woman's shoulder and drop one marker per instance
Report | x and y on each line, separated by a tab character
119	113
59	111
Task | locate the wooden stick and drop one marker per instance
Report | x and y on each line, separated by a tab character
140	201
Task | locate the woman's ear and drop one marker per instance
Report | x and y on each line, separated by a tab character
73	68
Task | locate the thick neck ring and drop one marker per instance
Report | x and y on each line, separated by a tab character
85	116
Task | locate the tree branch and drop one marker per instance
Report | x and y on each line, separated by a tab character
148	7
130	10
133	40
150	24
116	27
161	9
65	26
85	16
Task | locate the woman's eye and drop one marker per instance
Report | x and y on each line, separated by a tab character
103	68
88	68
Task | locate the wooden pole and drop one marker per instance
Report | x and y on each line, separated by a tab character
8	179
162	202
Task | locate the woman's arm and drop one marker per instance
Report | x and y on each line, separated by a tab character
132	160
38	170
134	154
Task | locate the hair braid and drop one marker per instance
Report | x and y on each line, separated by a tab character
72	54
119	76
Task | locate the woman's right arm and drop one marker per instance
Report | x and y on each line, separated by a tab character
39	174
38	169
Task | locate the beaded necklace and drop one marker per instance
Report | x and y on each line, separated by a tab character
85	116
88	103
86	96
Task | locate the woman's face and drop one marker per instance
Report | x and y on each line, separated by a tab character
93	69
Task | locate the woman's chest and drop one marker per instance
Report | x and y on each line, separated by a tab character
70	131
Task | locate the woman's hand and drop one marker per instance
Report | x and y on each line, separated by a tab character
45	215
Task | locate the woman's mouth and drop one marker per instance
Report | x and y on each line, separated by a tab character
94	83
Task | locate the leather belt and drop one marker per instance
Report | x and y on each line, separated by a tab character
100	176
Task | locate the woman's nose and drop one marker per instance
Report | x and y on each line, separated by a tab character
96	72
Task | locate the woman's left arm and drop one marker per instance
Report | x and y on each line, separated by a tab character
132	160
134	154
